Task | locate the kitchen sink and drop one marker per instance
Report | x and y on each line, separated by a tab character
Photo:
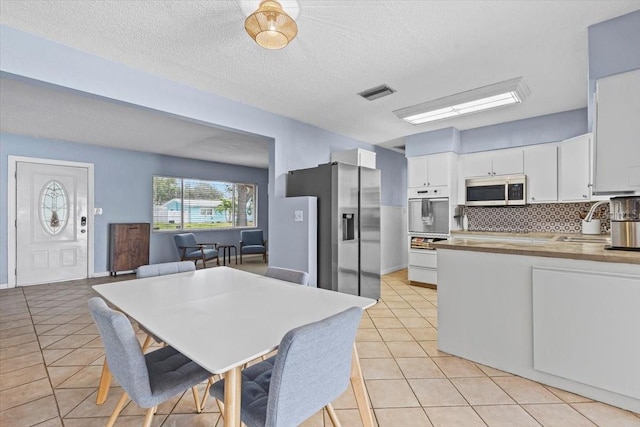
584	239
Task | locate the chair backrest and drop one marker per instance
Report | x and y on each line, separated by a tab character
124	355
288	275
164	268
251	237
185	239
312	368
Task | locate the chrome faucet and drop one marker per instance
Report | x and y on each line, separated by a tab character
593	209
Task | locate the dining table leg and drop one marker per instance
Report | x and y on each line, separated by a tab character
232	389
360	390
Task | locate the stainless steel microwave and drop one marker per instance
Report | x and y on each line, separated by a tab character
505	190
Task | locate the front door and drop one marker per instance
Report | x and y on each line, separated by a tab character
51	223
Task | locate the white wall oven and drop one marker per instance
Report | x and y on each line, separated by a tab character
429	217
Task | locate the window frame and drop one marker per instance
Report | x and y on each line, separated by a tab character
181	226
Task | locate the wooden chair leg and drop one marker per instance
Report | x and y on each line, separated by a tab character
206	392
116	411
333	416
105	383
196	399
360	390
148	417
220	408
147	343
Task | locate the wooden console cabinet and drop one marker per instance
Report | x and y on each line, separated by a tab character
128	246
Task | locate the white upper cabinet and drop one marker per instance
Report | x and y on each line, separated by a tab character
541	168
574	169
478	164
497	162
430	171
617	133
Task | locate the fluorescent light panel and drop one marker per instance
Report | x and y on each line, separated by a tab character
487	97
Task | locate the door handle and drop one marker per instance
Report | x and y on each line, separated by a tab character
83	221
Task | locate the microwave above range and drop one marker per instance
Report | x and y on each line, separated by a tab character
505	190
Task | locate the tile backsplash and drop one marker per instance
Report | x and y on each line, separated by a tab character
543	218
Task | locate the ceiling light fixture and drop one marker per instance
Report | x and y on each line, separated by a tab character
270	26
509	92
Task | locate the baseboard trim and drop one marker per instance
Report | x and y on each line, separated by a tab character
392	269
423	285
4	286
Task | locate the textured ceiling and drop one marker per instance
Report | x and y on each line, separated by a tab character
49	112
422	49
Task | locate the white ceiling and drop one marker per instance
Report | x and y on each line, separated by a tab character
50	112
423	49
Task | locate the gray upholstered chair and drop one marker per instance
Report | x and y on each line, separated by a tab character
164	268
148	379
312	369
190	250
288	275
252	242
141	272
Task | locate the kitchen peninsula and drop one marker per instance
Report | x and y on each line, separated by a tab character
557	311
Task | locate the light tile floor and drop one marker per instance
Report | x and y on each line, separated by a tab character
51	358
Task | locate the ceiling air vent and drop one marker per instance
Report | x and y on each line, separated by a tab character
376	92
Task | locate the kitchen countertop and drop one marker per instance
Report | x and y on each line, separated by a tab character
535	244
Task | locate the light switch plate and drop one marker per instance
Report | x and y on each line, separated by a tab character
298	216
97	211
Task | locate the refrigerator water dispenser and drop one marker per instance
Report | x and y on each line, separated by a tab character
348	226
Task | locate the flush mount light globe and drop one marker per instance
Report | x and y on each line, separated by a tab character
270	26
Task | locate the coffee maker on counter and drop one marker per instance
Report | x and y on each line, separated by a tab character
625	223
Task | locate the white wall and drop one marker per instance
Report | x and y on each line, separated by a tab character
301	237
393	238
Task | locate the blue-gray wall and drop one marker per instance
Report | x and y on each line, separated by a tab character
535	130
123	189
614	48
297	145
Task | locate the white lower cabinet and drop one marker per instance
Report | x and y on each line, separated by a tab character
581	319
568	323
423	266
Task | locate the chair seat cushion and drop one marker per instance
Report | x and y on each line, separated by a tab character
255	389
208	254
252	249
170	373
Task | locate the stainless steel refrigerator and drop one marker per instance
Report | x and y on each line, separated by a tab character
348	225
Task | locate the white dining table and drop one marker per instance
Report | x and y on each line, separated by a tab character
222	318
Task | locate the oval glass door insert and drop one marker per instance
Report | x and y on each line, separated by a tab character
53	207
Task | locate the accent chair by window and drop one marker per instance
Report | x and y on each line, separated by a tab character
252	242
190	250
